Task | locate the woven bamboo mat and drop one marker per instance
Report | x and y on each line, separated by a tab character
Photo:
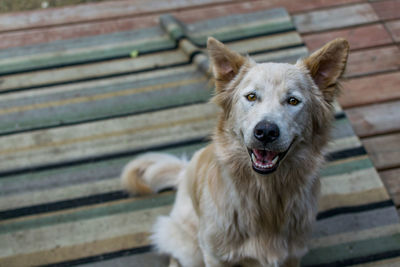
73	112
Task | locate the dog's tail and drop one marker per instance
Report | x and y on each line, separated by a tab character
151	173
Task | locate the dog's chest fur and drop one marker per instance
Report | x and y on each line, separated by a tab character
253	220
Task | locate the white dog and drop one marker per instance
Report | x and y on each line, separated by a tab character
250	197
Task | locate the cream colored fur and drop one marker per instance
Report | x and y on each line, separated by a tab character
225	213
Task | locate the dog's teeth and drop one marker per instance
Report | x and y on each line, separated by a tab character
275	160
263	165
253	158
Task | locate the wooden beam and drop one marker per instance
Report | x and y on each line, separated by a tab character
375	119
384	150
370	89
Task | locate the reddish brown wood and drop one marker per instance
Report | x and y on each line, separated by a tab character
335	18
43	35
370	90
375	119
394	29
358	37
389	9
391	179
76	30
384	150
243	7
95	11
374	60
128	8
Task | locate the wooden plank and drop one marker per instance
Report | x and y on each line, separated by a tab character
85	212
364	36
384	150
92	70
335	18
100	171
61	105
241	7
45	238
239	26
109	136
84	50
101	102
355	236
374	60
391	262
351	189
60	193
388	9
370	89
77	251
91	177
93	11
44	187
391	179
72	31
76	30
117	135
141	38
324	255
290	55
117	45
357	188
103	11
375	119
111	67
394	29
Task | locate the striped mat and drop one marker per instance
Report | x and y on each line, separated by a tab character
74	112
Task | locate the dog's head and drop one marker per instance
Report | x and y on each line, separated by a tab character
270	108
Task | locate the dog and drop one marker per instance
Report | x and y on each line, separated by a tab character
250	197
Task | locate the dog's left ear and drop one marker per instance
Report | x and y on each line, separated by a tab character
327	65
225	63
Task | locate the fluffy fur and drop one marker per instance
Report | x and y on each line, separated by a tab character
227	213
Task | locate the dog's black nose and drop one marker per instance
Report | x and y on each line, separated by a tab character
266	132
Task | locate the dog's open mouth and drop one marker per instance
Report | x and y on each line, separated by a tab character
266	161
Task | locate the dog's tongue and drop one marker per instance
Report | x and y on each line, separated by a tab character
264	155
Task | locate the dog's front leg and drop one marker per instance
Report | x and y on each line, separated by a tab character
212	261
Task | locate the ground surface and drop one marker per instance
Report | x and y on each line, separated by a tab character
371	93
23	5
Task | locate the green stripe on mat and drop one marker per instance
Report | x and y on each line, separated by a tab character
75	56
148	62
86	213
86	42
71	52
357	181
106	104
89	171
84	176
79	172
351	165
364	248
240	26
234	33
107	69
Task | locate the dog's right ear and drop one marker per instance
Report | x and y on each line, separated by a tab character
225	63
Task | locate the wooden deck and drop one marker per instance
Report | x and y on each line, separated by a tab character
371	93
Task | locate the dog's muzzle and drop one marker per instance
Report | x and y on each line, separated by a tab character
266	161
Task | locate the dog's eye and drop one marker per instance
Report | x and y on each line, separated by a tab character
293	101
251	97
